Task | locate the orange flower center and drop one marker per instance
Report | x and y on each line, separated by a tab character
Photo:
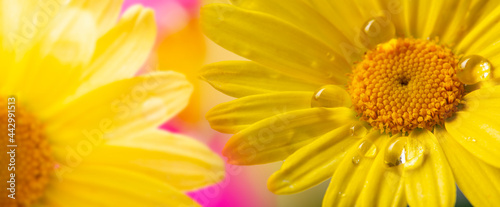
26	161
406	84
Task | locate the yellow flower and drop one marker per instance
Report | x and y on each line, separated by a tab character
78	129
396	101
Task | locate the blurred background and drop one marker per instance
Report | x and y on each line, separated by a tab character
182	47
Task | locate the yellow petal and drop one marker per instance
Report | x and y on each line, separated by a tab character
434	17
122	50
105	12
479	181
90	185
384	185
180	161
428	177
301	15
273	43
349	178
55	62
453	25
315	162
243	78
480	32
277	137
233	116
476	126
346	17
121	108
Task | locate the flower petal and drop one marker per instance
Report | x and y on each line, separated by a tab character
243	78
476	126
384	185
122	108
345	16
349	178
105	12
122	50
479	181
90	185
313	163
231	117
300	14
59	48
277	137
180	161
431	183
480	29
275	44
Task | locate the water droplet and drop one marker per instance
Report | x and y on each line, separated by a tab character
356	159
377	30
330	56
395	153
314	64
290	184
357	129
415	153
471	139
473	69
365	149
331	96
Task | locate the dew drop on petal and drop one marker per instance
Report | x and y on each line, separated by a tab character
365	149
331	96
470	139
473	69
395	153
330	56
356	159
377	30
314	64
415	153
357	130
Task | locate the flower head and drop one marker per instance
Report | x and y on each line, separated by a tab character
79	128
395	101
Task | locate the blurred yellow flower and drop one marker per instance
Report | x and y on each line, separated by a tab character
394	100
79	128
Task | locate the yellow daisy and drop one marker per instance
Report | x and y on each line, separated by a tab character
394	100
78	129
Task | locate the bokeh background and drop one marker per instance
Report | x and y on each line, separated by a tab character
182	47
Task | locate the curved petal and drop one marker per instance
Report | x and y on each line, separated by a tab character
476	126
300	14
345	16
105	12
315	162
122	51
480	33
109	186
121	108
244	78
55	60
429	173
479	181
349	178
277	137
384	185
273	43
177	160
233	116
